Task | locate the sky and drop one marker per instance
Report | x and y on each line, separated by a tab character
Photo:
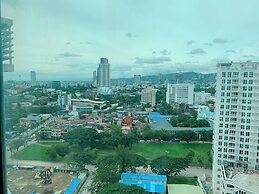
64	39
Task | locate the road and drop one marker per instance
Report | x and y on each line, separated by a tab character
86	186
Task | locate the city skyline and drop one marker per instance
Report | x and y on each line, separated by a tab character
173	37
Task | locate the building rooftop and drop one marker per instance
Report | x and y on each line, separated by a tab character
73	186
150	186
248	182
184	189
153	177
150	182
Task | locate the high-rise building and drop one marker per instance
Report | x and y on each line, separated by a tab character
6	34
33	77
137	79
179	93
148	95
103	73
94	78
236	133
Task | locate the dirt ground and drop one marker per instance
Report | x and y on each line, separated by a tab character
23	182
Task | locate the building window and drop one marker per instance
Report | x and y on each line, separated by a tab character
235	74
235	81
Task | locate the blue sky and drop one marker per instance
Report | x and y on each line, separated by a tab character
64	39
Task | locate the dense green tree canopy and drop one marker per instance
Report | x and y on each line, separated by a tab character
83	137
187	135
171	166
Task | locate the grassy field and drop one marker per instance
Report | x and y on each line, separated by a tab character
36	152
153	150
148	150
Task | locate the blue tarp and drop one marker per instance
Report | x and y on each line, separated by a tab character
73	185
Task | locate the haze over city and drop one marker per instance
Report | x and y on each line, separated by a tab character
65	39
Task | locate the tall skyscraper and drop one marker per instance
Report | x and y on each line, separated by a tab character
137	79
33	77
179	93
103	73
94	78
6	35
236	133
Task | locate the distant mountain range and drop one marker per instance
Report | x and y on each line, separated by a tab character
184	77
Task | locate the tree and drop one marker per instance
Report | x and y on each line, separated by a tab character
16	144
128	162
110	167
52	154
106	173
206	135
119	188
174	121
169	166
83	137
161	95
187	135
40	102
203	123
61	150
82	158
163	134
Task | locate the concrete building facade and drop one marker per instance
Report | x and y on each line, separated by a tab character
201	97
103	73
137	79
148	95
94	78
180	93
6	35
33	77
236	133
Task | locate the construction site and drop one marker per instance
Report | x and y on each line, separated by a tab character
42	180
